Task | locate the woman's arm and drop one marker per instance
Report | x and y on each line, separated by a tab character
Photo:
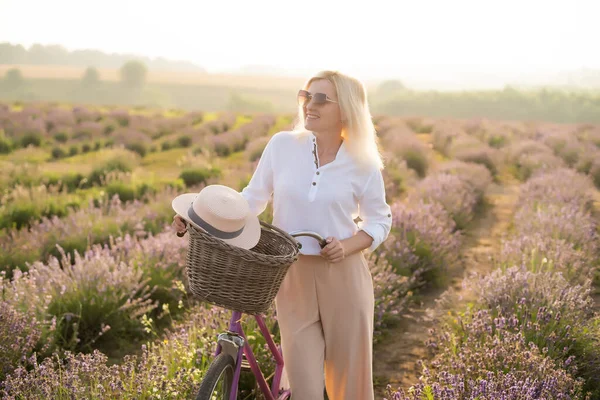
260	188
374	212
356	243
337	250
375	226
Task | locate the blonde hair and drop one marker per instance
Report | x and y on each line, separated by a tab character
358	129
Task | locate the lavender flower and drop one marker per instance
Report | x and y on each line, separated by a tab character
476	175
560	186
482	356
540	252
456	196
19	334
566	222
167	369
423	239
392	293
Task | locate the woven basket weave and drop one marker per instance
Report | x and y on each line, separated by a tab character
235	278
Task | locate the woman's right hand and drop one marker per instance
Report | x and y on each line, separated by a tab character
179	225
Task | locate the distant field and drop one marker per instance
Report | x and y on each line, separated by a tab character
271	94
195	78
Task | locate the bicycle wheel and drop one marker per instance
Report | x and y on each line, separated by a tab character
217	382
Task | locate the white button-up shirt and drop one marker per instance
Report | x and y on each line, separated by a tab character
324	199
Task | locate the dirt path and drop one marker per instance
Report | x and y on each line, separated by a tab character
397	354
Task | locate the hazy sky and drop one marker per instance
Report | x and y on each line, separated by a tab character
416	36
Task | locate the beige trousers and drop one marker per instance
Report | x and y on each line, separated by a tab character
325	313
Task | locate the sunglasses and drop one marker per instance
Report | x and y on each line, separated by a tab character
318	98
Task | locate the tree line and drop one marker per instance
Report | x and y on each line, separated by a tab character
39	54
133	75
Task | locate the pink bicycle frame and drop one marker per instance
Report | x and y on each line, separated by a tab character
235	328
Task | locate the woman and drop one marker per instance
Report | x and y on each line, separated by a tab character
322	175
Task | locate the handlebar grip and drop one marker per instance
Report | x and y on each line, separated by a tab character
181	234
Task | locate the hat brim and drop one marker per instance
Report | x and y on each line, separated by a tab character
246	240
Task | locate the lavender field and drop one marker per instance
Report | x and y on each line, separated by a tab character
94	295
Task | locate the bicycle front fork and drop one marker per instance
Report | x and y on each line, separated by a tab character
234	343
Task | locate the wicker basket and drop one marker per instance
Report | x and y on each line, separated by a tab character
239	279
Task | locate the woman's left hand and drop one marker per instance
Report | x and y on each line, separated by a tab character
334	252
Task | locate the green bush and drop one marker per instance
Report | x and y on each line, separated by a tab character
61	137
81	314
418	126
17	258
222	149
114	164
123	120
19	215
497	141
58	152
416	160
70	180
82	135
125	191
184	141
31	138
479	156
70	245
161	132
139	148
146	188
5	145
595	173
73	150
177	184
164	291
196	176
166	145
108	129
86	148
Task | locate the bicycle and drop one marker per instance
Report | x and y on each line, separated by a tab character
233	353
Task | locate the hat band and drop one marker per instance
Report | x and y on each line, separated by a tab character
211	229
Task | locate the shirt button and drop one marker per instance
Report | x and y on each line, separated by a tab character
318	173
314	183
389	215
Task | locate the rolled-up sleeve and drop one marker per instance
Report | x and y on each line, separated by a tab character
260	188
374	212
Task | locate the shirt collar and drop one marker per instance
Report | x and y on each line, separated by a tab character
312	139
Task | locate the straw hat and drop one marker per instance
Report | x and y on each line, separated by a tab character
221	212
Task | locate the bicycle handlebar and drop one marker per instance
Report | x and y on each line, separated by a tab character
314	235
